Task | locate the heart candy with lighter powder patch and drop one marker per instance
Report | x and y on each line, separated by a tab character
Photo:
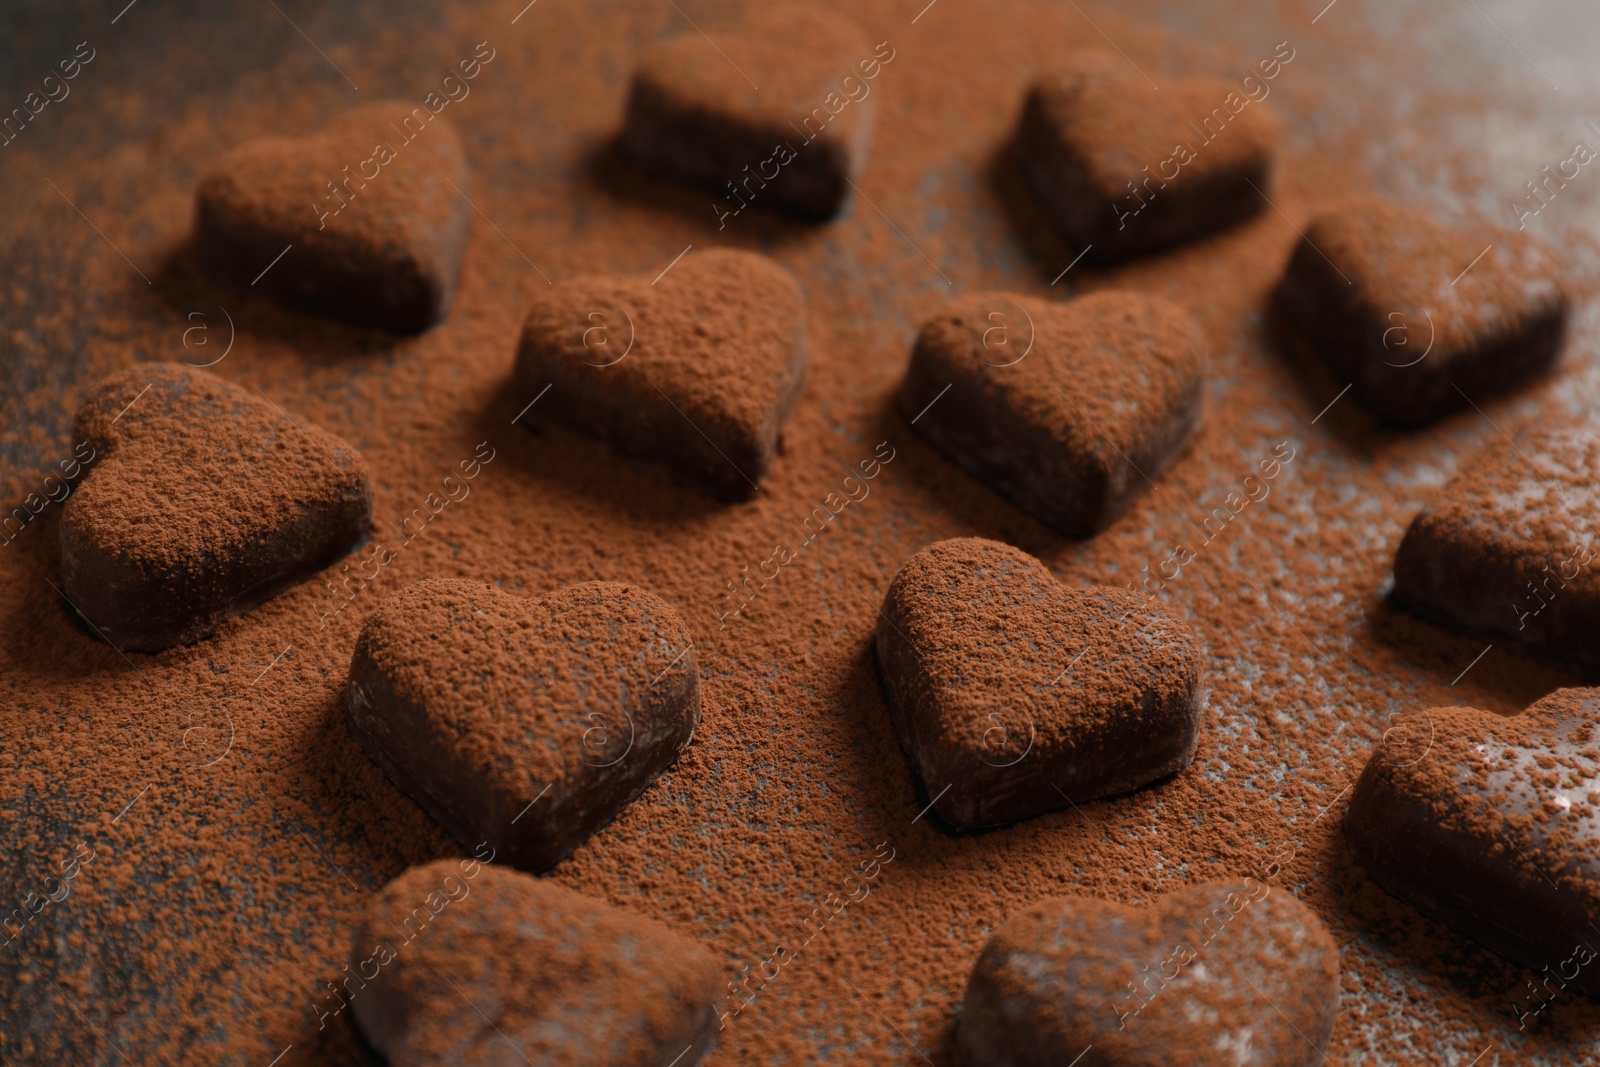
1230	973
526	722
1069	410
364	221
1014	694
1505	551
696	369
205	501
1491	824
458	962
776	114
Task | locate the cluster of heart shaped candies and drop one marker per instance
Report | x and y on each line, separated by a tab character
1012	694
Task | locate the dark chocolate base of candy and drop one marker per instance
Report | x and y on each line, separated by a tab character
727	158
1350	340
1442	874
1074	499
580	402
534	844
401	296
1183	211
172	609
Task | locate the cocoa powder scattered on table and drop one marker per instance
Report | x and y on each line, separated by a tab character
238	831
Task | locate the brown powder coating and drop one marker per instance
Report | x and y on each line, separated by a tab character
1220	973
526	722
1125	167
205	499
1016	695
483	967
1492	824
1505	550
1382	293
373	229
1067	410
697	369
782	121
224	899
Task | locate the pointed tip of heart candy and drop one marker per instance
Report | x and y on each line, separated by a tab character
365	220
204	500
1424	318
1489	824
526	723
1233	972
567	980
696	370
1015	695
1068	410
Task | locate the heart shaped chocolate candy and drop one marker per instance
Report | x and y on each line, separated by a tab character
1014	694
697	370
1125	169
1491	824
1420	317
778	114
1067	410
526	722
362	214
1217	973
206	499
468	964
1505	552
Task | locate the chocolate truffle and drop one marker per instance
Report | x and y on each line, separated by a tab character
695	114
697	370
463	963
1421	317
1066	410
1231	973
1505	551
362	214
523	722
1014	695
205	500
1125	169
1491	824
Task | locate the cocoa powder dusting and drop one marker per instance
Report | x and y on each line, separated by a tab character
575	981
224	833
1397	257
1130	144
